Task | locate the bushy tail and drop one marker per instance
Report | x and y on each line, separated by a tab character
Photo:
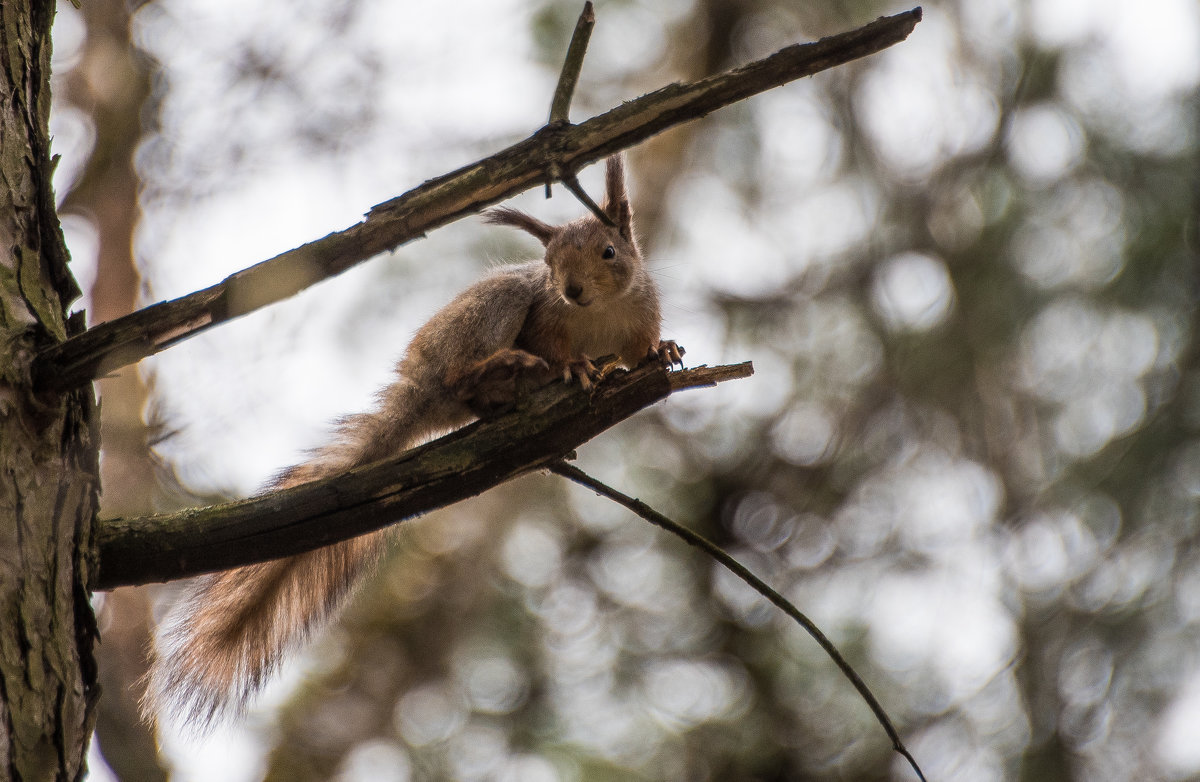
231	631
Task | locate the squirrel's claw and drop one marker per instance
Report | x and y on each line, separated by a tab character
583	370
668	353
607	364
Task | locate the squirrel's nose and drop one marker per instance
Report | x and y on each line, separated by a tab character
573	292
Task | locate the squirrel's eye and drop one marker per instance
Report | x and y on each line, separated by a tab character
609	252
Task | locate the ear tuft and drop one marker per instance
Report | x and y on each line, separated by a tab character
504	215
616	200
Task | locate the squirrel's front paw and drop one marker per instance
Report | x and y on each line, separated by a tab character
668	353
583	370
495	383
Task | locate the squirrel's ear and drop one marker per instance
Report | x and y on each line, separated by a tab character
616	200
503	215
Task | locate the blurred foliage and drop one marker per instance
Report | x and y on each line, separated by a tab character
965	270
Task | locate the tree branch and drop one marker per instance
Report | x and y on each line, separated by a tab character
560	107
560	147
757	584
544	428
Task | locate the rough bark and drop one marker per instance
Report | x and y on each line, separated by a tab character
48	465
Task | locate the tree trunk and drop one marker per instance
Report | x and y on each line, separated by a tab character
48	447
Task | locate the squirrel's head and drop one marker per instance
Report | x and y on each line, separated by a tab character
590	261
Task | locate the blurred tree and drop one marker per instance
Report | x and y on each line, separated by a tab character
109	84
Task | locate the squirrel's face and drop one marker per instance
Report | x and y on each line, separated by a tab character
591	263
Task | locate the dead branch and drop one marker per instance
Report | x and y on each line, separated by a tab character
543	429
556	151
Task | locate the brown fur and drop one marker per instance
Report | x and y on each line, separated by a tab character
232	630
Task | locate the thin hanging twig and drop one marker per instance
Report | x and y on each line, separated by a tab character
571	182
738	569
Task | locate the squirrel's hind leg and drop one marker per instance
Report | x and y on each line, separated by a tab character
495	384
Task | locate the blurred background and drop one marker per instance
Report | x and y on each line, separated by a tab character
965	270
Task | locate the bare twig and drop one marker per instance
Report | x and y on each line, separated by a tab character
445	199
571	182
560	107
738	569
545	427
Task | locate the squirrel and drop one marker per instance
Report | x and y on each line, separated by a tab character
523	324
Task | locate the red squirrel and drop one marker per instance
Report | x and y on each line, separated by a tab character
591	296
